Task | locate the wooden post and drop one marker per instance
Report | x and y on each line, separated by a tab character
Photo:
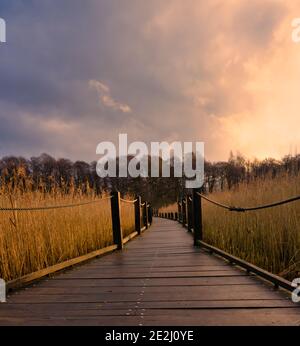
183	212
146	215
179	211
150	214
116	219
197	216
186	209
189	214
137	213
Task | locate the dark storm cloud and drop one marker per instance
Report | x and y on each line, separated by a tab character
166	61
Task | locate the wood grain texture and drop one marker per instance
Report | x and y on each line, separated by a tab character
158	279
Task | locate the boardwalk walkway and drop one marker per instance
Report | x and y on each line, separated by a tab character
158	279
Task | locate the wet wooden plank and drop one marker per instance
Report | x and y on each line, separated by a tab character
194	281
77	307
125	274
205	295
187	291
238	317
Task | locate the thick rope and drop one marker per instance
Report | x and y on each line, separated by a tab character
55	206
240	209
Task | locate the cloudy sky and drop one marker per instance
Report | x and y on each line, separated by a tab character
77	72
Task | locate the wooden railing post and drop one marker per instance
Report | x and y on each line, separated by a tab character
197	216
183	212
179	211
137	213
189	204
116	219
146	215
186	210
150	214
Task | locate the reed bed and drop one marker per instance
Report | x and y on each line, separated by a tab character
33	240
172	208
268	238
127	217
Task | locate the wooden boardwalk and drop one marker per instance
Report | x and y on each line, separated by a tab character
158	279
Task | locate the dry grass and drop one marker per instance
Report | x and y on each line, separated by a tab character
267	238
127	217
32	240
172	208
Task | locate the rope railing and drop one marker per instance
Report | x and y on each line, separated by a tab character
68	205
142	221
243	209
190	215
115	200
62	206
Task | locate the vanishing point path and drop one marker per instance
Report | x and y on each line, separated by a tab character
158	279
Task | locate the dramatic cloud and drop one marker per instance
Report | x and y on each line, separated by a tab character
106	98
74	74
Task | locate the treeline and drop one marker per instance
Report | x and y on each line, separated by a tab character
48	172
229	174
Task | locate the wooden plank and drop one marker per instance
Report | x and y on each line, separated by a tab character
125	274
133	270
78	307
159	282
182	290
129	237
158	266
239	317
205	295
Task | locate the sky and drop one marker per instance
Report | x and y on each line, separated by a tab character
74	73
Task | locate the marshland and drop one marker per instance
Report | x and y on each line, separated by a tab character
35	239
